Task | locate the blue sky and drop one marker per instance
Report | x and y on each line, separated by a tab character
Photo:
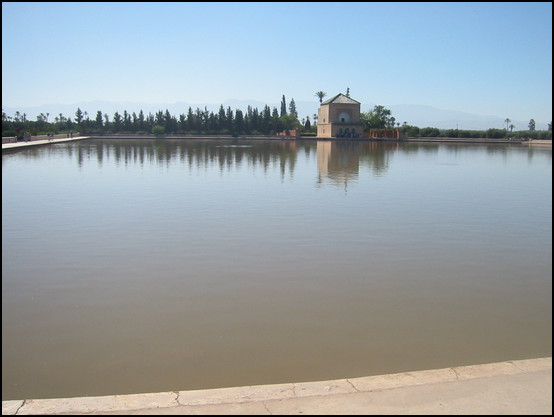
482	58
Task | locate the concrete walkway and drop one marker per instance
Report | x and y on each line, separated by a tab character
16	145
512	387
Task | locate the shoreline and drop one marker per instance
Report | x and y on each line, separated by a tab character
531	142
509	387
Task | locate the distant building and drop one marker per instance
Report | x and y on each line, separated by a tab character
389	133
290	134
339	117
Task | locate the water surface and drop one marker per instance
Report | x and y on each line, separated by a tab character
154	265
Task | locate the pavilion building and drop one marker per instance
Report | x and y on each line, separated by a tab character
339	117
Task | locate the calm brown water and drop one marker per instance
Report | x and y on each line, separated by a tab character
145	266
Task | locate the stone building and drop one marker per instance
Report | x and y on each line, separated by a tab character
339	117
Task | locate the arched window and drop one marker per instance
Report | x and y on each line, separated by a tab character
344	117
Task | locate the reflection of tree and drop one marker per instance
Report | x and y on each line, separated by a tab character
225	155
337	161
375	156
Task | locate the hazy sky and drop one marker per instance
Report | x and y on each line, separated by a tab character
483	58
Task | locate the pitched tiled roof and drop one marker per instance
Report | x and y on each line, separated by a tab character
342	99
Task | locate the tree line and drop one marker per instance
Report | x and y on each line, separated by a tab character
381	118
223	122
234	122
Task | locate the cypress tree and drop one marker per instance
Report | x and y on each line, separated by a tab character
283	106
292	108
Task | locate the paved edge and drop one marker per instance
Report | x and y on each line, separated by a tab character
19	145
234	395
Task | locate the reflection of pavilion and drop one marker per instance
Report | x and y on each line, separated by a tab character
338	161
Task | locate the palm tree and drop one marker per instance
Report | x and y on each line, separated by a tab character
321	94
507	122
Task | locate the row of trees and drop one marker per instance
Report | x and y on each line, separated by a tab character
381	118
226	121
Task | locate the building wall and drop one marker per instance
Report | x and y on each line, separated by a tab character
9	139
329	123
384	134
323	123
340	130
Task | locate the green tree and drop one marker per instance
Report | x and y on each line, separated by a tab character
191	122
141	121
378	118
158	130
496	133
410	131
127	123
266	120
170	122
116	122
254	121
159	120
507	121
134	123
320	95
289	122
429	132
212	122
198	117
86	122
78	116
239	122
307	125
283	106
221	119
229	118
532	124
149	122
41	118
182	122
292	108
41	123
99	123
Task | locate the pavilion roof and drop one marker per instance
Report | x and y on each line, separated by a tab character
341	99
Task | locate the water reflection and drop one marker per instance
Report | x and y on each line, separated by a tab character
338	162
156	265
225	155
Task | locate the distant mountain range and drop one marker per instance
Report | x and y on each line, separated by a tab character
413	114
427	116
